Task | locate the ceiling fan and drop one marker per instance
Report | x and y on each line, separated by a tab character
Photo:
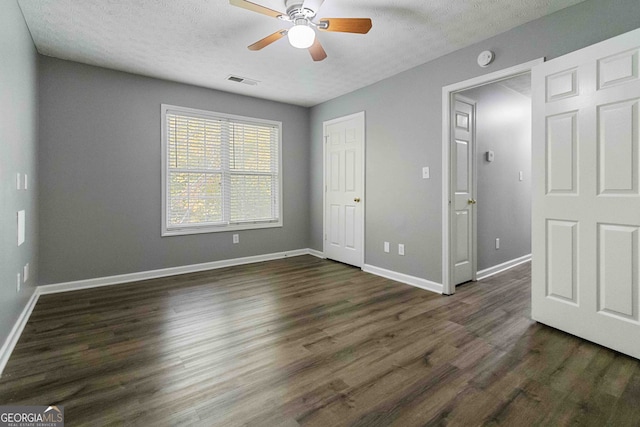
301	14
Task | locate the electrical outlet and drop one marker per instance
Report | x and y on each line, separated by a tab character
400	249
25	272
497	243
19	282
236	238
425	172
386	247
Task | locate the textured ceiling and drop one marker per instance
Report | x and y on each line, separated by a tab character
202	42
521	84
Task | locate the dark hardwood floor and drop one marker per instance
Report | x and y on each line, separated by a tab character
309	342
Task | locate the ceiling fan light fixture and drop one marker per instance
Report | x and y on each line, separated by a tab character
301	36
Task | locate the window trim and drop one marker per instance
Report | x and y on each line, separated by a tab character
200	229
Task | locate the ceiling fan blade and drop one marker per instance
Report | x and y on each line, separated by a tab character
346	25
256	8
317	51
268	40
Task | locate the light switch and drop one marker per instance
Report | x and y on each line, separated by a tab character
18	181
400	249
26	182
21	227
425	172
386	247
521	175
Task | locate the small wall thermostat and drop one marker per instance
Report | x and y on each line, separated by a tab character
485	58
490	156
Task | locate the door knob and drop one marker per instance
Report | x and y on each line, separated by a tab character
471	202
357	200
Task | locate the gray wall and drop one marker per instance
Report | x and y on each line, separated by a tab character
100	157
100	174
18	142
503	125
403	125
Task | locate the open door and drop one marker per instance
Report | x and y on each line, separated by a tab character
586	194
463	201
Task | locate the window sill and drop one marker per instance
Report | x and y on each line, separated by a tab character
220	229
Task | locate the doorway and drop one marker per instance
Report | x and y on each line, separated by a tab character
502	175
476	240
344	184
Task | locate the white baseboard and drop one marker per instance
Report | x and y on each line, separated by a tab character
317	254
404	278
164	272
487	272
16	331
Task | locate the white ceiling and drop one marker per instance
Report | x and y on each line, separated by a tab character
520	84
202	42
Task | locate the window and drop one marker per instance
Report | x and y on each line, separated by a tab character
219	172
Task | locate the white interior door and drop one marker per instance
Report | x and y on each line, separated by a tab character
344	189
463	202
586	202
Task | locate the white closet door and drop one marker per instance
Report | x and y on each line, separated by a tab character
344	189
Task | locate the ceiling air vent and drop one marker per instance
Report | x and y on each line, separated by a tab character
242	80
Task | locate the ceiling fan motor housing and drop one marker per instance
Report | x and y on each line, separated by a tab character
297	9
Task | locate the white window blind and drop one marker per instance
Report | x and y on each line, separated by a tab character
220	172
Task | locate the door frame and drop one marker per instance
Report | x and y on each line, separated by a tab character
448	288
326	123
